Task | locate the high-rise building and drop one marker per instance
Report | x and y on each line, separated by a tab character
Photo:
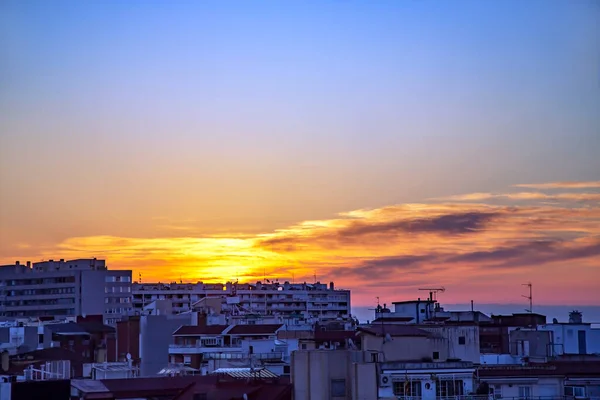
65	288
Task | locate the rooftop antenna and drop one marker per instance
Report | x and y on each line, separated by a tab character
315	275
433	292
529	297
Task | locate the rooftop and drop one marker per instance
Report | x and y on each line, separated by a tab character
261	329
245	372
393	330
193	330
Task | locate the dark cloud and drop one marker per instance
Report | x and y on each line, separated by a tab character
504	253
448	224
409	269
387	266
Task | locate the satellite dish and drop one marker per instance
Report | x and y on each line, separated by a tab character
128	356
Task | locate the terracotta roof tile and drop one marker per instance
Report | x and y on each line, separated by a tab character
200	330
262	329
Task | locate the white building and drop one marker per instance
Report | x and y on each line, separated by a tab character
301	300
426	381
426	311
573	337
218	346
65	288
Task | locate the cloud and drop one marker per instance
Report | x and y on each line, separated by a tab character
353	229
386	251
561	185
527	196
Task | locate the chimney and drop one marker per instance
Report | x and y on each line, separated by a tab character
202	319
28	264
5	361
17	263
331	285
100	355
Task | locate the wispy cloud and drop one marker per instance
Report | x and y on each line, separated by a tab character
538	237
561	185
524	196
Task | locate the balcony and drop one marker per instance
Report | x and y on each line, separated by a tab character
197	349
490	397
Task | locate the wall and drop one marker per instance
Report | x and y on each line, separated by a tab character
530	343
404	347
155	336
128	338
565	338
469	351
92	293
312	373
542	387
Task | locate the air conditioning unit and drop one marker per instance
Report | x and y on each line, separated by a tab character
385	380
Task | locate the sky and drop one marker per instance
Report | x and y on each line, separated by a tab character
382	145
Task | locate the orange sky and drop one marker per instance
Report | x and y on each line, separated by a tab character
480	246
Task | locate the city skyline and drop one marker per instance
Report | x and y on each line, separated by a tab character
385	146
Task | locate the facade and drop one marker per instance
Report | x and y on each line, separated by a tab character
435	343
301	300
426	381
425	311
334	375
65	288
210	347
561	379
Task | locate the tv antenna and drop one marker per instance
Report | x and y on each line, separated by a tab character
529	297
434	291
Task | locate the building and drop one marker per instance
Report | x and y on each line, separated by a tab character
300	300
212	387
210	347
425	311
65	288
334	374
573	337
426	381
559	379
494	336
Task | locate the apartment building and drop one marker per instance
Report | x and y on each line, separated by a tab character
316	300
65	288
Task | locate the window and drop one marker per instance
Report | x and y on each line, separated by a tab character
496	390
575	391
436	355
374	357
40	338
407	388
187	359
303	346
524	392
286	369
462	340
449	388
338	388
210	342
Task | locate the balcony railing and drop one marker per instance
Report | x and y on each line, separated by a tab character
492	397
